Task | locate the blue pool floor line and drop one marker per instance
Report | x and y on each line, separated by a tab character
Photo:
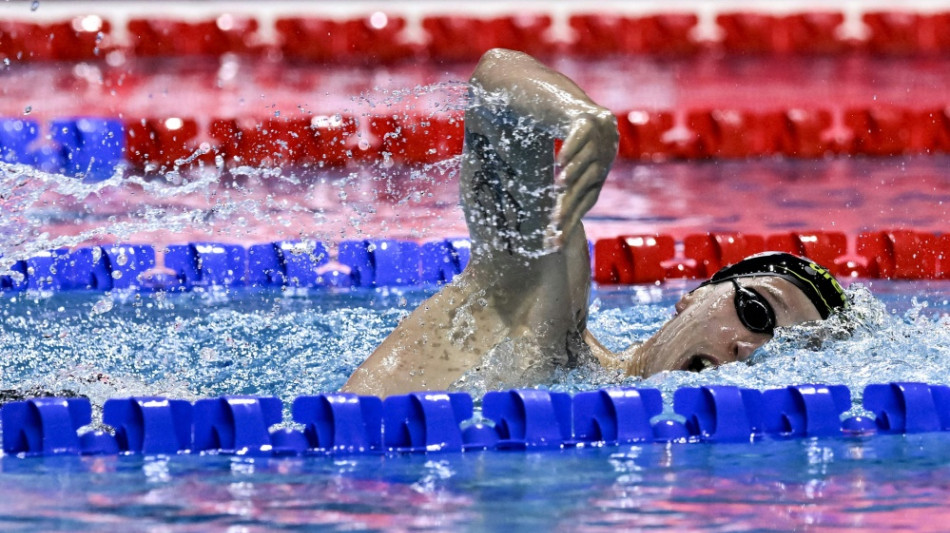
422	422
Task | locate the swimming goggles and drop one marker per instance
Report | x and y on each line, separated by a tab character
755	312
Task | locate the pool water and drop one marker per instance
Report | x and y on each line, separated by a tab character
291	343
298	342
884	483
41	211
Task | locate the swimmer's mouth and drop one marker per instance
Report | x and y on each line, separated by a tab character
698	363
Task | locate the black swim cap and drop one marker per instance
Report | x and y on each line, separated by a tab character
812	279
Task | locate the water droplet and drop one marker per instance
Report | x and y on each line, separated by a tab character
116	274
277	114
35	5
28	110
102	306
122	259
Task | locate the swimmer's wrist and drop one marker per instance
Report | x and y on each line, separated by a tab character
603	119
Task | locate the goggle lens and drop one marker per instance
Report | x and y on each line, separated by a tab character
754	310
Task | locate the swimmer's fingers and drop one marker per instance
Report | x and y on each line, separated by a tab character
584	205
581	197
589	173
592	140
578	165
585	159
576	140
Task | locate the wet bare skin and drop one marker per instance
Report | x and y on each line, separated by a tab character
451	332
528	282
707	326
529	277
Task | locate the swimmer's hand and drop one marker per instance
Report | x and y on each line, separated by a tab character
585	159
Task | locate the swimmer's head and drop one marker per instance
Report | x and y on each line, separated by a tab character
735	312
812	279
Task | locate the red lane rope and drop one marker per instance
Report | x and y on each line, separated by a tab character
378	38
628	259
897	254
415	138
162	143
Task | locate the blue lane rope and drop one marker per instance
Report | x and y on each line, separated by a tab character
342	423
89	148
425	422
370	263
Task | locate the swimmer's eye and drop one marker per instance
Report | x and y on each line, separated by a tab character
755	312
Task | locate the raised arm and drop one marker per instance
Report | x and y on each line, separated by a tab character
520	307
520	106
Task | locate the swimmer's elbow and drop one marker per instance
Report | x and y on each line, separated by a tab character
497	64
496	55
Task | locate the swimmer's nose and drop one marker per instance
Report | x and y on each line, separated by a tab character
743	350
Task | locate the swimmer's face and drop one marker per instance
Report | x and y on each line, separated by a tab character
707	332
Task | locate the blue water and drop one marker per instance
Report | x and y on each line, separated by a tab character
287	343
293	343
290	343
886	482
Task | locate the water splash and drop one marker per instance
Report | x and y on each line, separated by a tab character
367	197
868	343
190	345
290	343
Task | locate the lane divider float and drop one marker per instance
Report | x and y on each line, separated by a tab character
373	263
378	37
428	422
94	148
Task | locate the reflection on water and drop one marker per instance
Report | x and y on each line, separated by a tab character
288	344
40	211
895	482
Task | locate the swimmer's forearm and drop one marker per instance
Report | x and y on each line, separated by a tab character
512	90
533	90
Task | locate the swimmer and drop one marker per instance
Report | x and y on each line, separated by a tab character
519	310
